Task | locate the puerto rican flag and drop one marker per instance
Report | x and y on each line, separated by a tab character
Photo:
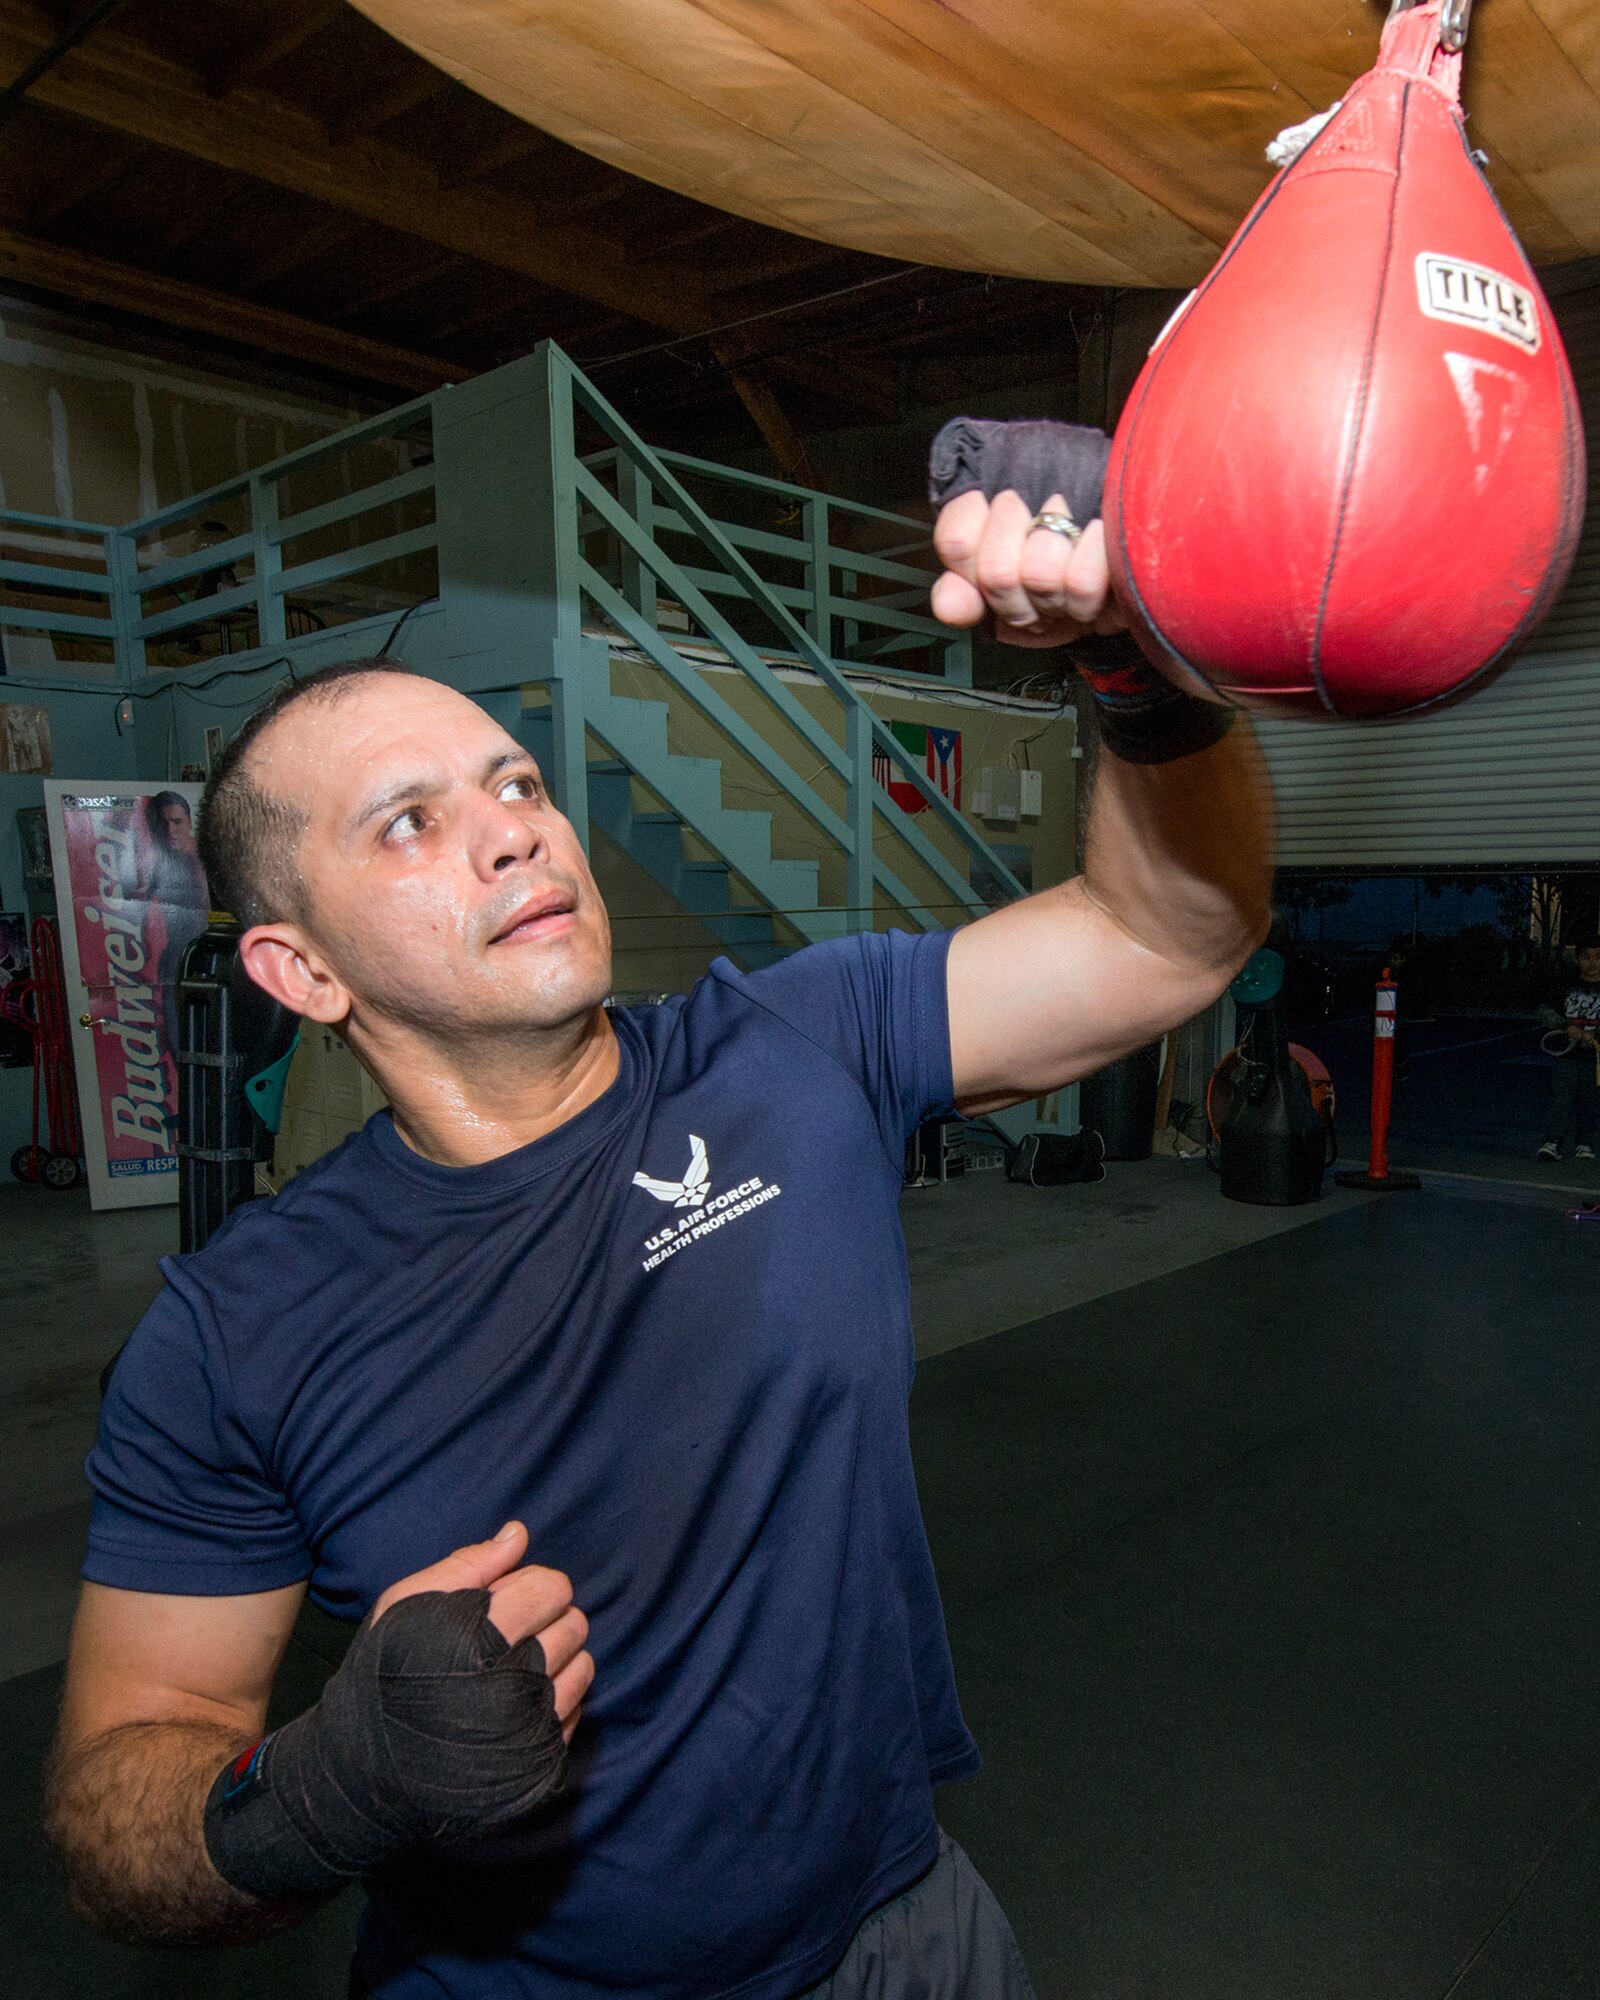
944	763
939	753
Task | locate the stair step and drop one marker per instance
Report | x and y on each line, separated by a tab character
704	887
742	932
692	786
636	730
692	814
792	885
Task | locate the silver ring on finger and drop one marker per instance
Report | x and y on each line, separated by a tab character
1058	524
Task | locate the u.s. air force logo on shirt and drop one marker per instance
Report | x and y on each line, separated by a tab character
707	1212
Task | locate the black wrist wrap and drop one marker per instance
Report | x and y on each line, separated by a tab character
432	1732
1144	719
1035	458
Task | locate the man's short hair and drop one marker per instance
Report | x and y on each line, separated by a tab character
249	838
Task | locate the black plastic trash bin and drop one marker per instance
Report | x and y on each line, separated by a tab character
1119	1103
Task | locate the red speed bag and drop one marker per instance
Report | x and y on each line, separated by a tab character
1350	478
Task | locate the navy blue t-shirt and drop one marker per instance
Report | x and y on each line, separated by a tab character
674	1338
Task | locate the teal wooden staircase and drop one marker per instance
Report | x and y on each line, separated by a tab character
639	537
666	838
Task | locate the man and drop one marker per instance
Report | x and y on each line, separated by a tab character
1572	1011
633	1285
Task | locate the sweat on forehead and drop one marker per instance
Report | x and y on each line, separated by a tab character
254	813
332	732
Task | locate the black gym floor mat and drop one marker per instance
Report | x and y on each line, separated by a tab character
1274	1588
48	1954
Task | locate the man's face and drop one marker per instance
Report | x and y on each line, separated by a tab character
1589	962
179	827
438	879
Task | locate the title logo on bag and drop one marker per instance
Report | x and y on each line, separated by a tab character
708	1212
1449	288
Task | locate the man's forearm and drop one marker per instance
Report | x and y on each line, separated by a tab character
125	1811
1180	854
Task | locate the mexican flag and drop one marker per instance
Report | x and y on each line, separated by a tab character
938	751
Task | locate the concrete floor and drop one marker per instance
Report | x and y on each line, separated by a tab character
1268	1547
984	1255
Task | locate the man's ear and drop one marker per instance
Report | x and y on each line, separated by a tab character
283	961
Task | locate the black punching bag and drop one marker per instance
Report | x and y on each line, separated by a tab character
1273	1142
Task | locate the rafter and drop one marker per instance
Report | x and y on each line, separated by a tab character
291	30
767	413
787	258
395	284
302	245
517	143
99	165
195	214
480	314
117	82
100	281
868	387
418	85
704	229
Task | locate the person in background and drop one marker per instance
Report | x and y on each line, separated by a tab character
1573	1008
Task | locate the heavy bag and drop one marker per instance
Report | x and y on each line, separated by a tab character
1350	478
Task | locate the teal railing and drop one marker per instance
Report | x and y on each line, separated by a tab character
59	594
618	496
856	577
533	513
258	561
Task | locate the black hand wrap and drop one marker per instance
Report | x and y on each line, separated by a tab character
1036	459
1144	719
433	1731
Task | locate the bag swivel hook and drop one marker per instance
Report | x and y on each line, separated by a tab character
1455	18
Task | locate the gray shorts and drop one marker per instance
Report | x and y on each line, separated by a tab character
944	1938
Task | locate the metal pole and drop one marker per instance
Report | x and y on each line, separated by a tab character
1379	1178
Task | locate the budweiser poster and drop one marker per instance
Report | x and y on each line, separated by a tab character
131	894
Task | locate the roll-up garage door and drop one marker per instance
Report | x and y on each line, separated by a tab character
1509	778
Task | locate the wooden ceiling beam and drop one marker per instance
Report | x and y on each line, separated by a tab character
703	229
606	189
301	246
192	217
73	274
291	30
395	284
781	438
117	82
99	165
873	390
482	313
789	257
513	145
418	86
